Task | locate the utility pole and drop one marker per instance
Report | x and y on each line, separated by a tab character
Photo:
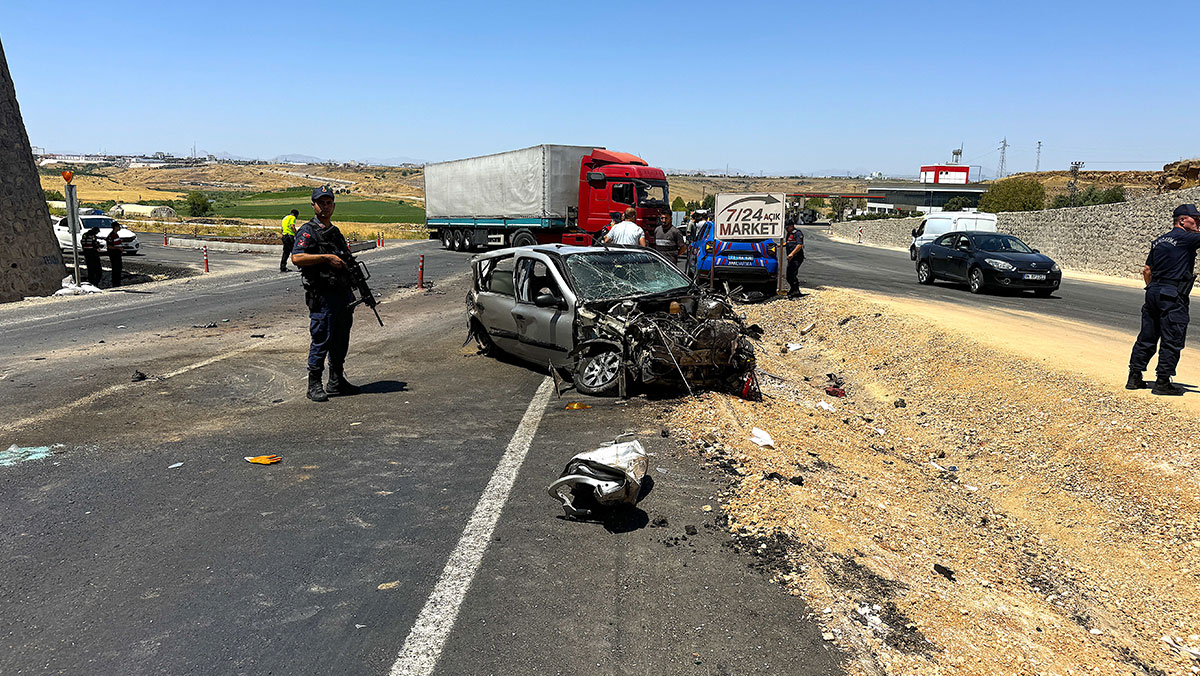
1038	165
1073	185
1003	167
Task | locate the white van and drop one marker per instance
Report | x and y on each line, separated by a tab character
942	222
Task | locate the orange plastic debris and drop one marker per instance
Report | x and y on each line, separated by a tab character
263	459
576	406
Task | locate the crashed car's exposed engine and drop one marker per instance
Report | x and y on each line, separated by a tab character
696	340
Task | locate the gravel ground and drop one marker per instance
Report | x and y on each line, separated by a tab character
961	510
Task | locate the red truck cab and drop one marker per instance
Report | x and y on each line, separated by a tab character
612	182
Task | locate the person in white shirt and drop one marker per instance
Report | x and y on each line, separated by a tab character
626	233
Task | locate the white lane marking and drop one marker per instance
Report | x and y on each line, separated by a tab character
428	636
113	389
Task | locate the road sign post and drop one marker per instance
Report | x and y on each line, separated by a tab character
753	216
72	201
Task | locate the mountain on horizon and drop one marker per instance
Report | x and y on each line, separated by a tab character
393	161
297	158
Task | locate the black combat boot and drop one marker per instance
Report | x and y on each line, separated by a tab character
338	387
1165	387
315	391
1135	381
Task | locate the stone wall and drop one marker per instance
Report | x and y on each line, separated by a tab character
30	262
885	231
1110	239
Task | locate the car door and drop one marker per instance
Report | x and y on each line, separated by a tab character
959	257
939	254
495	301
544	334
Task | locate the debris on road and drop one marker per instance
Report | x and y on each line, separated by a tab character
263	459
809	327
575	406
137	377
210	325
826	406
790	347
944	572
607	477
16	454
258	335
834	391
899	403
175	466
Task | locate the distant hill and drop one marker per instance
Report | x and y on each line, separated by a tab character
297	158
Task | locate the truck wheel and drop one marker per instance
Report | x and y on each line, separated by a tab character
460	240
447	238
597	373
523	238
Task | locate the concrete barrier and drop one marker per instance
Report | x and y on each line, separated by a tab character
1109	239
240	247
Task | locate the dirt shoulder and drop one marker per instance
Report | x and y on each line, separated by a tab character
966	508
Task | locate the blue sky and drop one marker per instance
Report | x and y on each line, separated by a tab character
788	87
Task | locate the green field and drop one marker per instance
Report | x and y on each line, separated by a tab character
349	209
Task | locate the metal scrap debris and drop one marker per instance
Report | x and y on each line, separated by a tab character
607	477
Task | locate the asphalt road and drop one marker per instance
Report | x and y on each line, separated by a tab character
833	263
118	559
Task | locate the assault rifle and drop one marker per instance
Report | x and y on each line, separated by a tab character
358	274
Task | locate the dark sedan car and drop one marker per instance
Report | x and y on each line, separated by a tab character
987	260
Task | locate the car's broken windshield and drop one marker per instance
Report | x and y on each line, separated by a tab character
619	274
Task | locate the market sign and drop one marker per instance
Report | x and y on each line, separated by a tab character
743	216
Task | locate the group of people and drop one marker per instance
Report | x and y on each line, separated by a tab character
89	243
672	243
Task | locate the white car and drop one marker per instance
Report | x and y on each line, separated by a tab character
62	230
937	224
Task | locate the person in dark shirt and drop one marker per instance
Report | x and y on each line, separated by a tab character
318	252
115	253
794	248
1169	274
669	240
90	244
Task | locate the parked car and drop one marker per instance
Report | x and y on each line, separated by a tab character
937	224
987	260
606	318
62	230
736	261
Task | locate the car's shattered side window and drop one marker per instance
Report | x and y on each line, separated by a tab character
617	274
496	275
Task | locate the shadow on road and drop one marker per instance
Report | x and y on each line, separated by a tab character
384	387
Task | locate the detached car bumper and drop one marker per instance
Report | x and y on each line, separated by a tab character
1022	279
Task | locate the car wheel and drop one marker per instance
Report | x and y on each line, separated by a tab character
523	238
597	373
487	347
912	253
447	239
924	273
975	281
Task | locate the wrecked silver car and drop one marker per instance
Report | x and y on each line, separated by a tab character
607	318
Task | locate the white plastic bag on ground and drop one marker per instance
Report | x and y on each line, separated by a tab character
69	288
761	438
606	477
